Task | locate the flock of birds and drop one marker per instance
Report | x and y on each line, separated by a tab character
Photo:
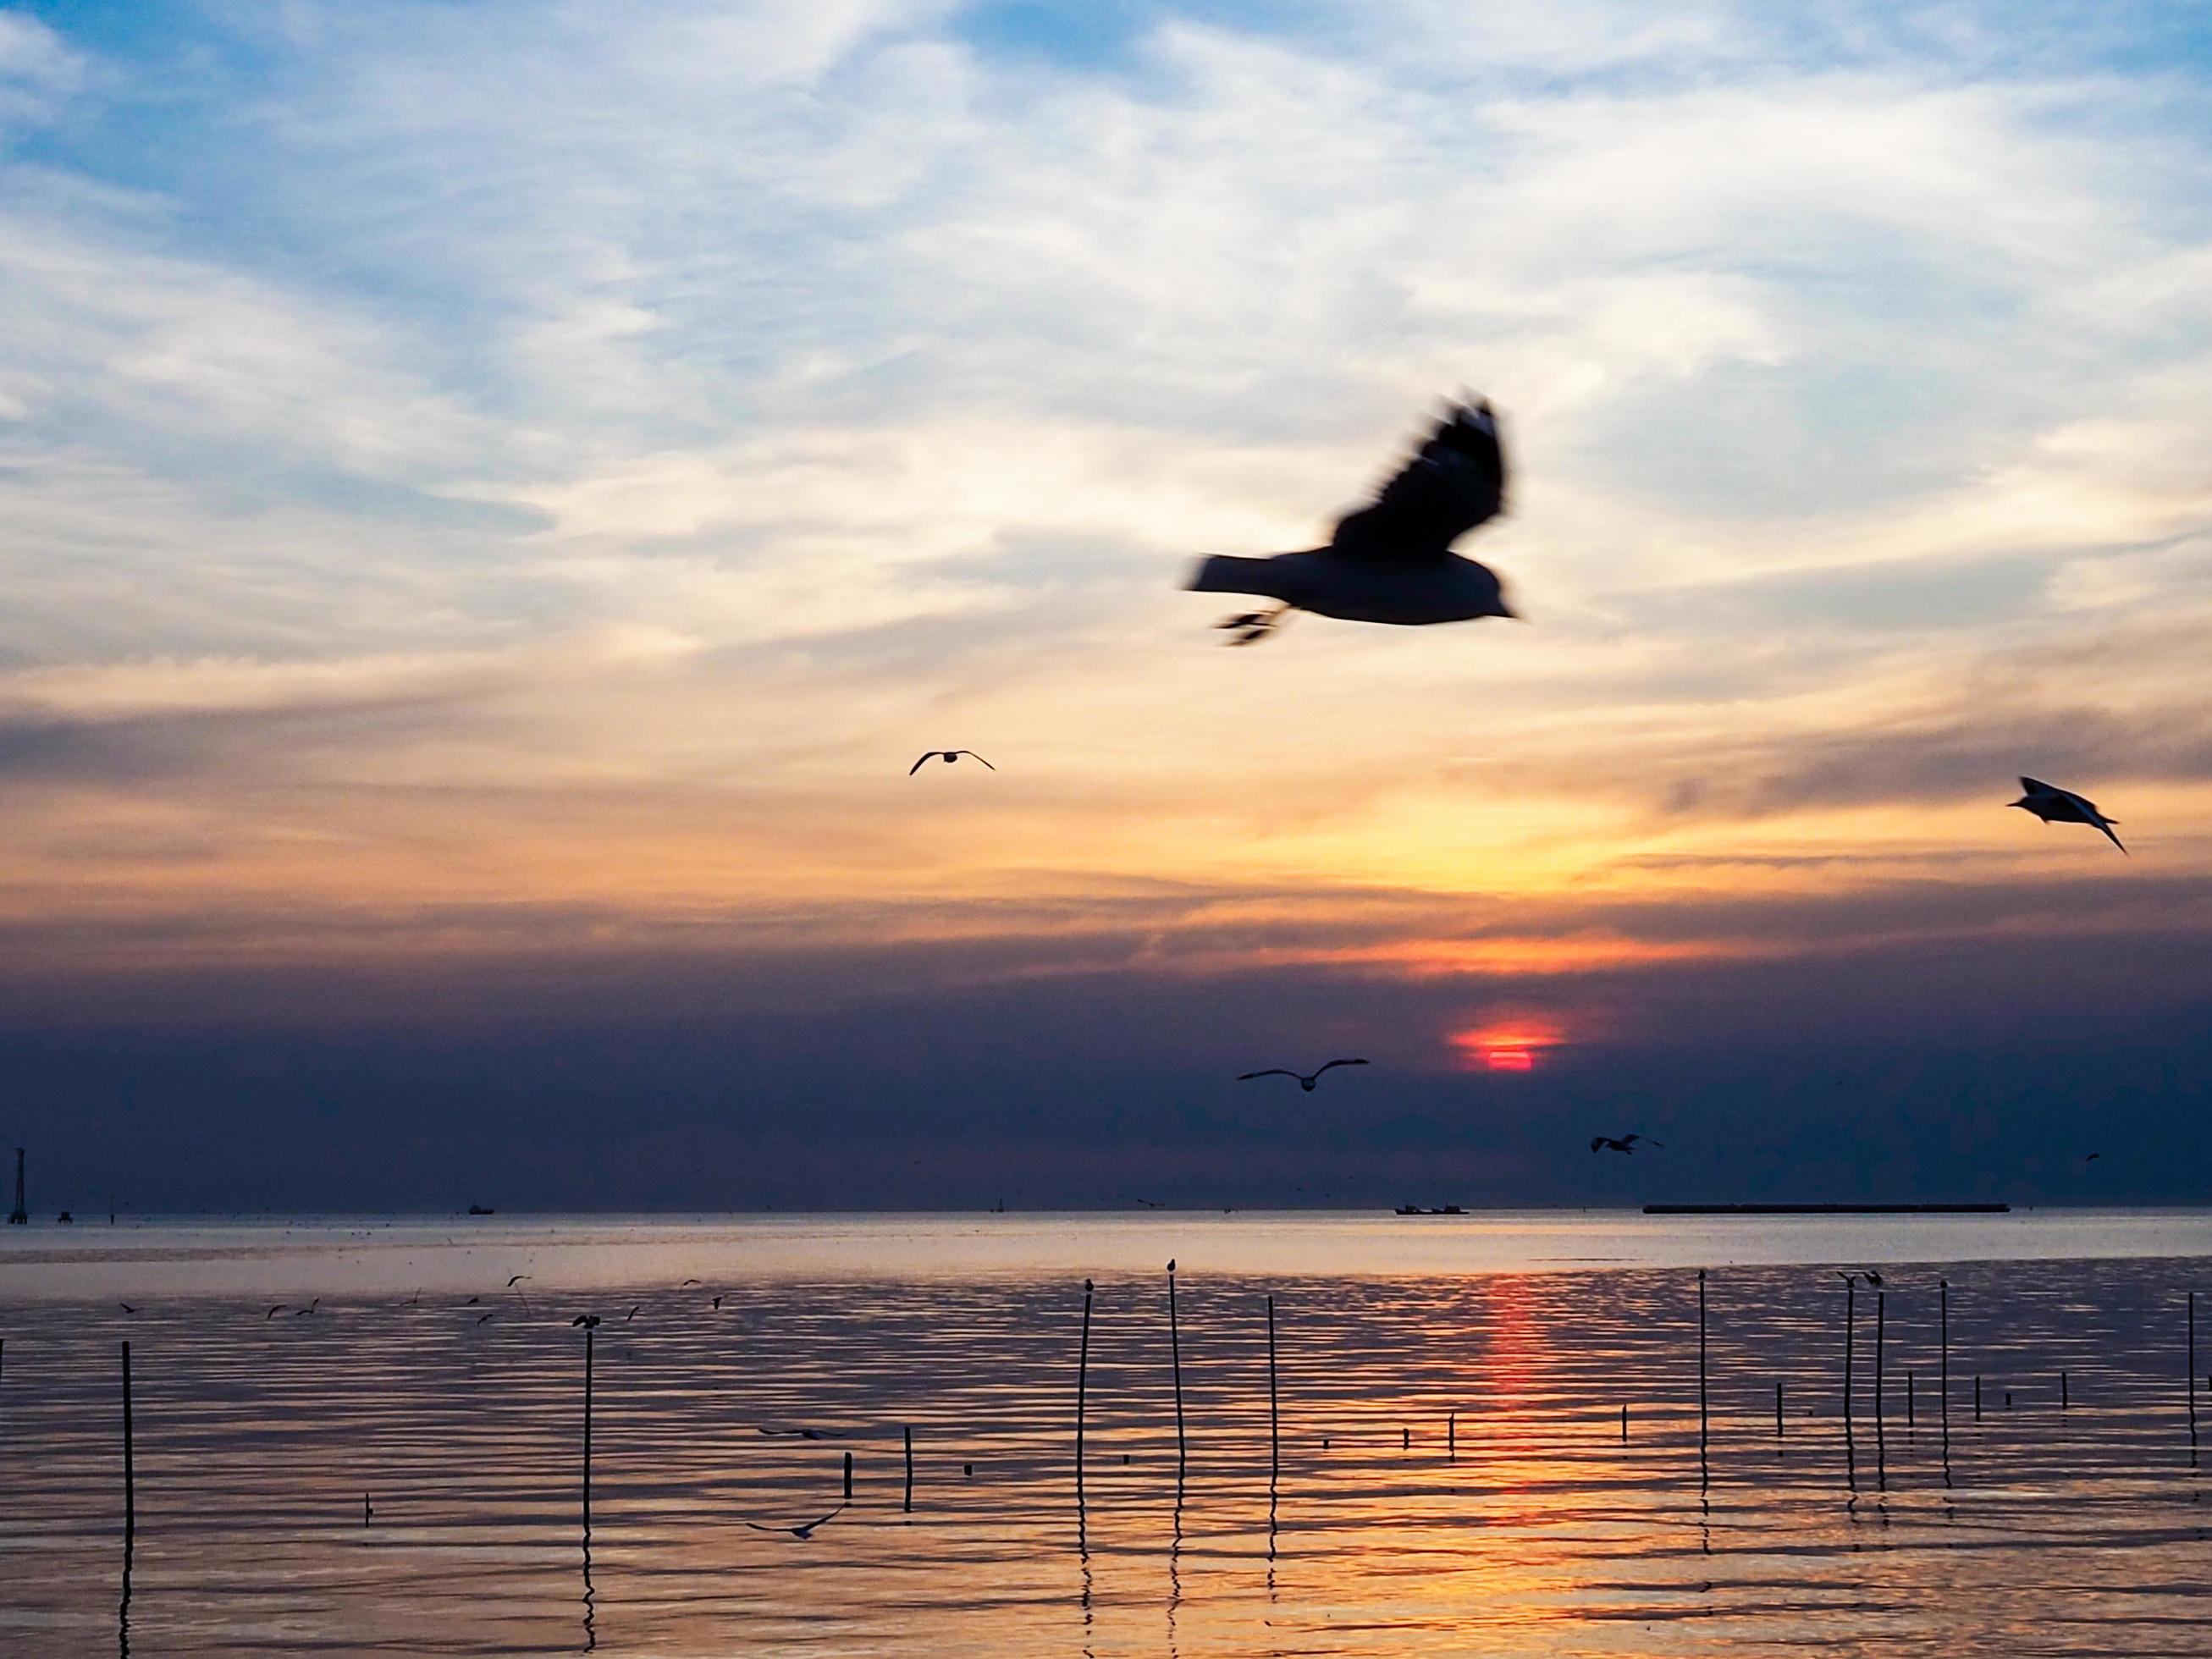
1392	562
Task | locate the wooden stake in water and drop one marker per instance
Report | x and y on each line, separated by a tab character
849	1477
1082	1383
2065	1402
1274	1419
1977	1396
2188	1375
1451	1437
1943	1379
1175	1352
1701	1364
1623	1423
1909	1401
1850	1321
130	1462
1778	1408
908	1504
588	1334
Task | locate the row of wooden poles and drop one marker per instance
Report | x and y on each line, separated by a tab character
1274	1416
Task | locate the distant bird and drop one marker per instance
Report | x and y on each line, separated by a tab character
632	1314
2093	1158
1153	1203
415	1300
717	1304
301	1312
1306	1079
1390	561
482	1317
948	756
689	1282
126	1307
516	1280
805	1529
1623	1144
472	1302
2055	806
589	1321
800	1434
1867	1273
273	1312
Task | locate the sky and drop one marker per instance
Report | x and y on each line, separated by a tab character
494	498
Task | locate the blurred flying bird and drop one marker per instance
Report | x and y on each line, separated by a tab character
589	1321
516	1280
799	1434
2056	805
717	1304
632	1314
691	1281
1624	1143
1390	561
273	1312
805	1529
948	756
126	1307
1306	1079
301	1312
2093	1158
482	1317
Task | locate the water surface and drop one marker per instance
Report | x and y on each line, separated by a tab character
1448	1472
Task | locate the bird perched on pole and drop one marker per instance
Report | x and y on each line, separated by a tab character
1390	561
2055	806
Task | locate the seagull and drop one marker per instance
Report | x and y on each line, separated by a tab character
800	1434
589	1321
1868	1274
482	1317
717	1304
2056	805
126	1307
632	1314
516	1280
1306	1079
805	1529
1624	1143
2093	1158
948	756
1391	561
273	1312
301	1312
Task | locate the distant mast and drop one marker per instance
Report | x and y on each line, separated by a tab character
19	1216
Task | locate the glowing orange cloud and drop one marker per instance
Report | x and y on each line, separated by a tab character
1508	1045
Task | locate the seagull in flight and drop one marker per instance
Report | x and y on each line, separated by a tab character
2093	1158
1391	561
948	756
1868	1274
804	1529
2056	805
1306	1079
589	1321
800	1434
688	1281
1622	1144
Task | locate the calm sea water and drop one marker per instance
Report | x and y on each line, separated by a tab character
1446	1472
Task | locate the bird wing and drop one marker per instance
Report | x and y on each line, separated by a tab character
1455	481
916	768
1272	1071
987	767
1341	1062
1596	1141
2036	786
2104	824
832	1516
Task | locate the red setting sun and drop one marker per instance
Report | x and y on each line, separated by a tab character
1507	1045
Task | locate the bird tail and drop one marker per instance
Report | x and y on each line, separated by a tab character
1225	573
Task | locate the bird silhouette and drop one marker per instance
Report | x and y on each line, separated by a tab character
805	1529
1306	1079
632	1314
1390	561
717	1304
481	1318
689	1282
589	1321
272	1313
779	1433
1622	1143
948	756
2052	805
126	1307
516	1280
301	1312
2093	1158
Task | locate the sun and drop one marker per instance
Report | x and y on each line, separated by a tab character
1514	1044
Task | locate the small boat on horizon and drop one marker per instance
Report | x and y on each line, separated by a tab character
1442	1209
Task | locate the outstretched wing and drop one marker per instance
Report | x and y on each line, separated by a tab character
987	767
1596	1141
1455	481
2033	786
1272	1071
1334	1063
923	761
2105	824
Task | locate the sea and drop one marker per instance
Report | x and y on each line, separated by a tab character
1544	1432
